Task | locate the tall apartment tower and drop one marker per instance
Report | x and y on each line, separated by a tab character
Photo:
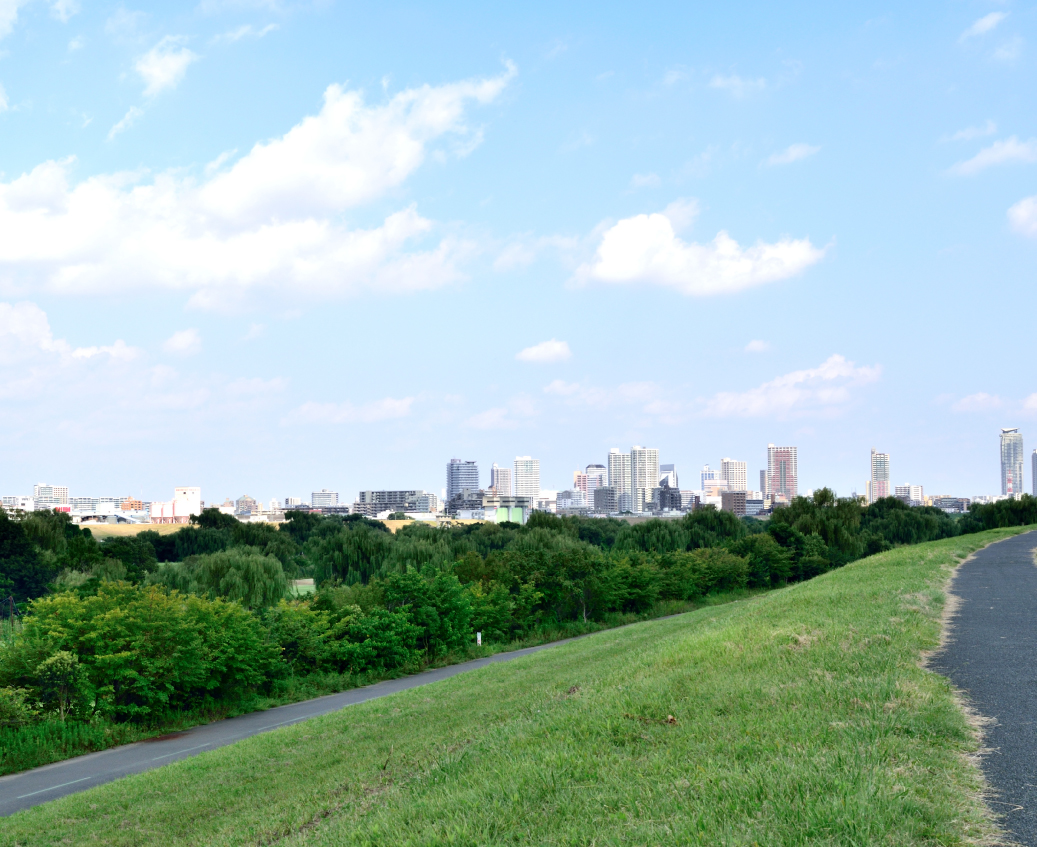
619	472
878	485
500	480
459	475
1011	461
644	476
527	477
782	473
1033	472
669	474
735	474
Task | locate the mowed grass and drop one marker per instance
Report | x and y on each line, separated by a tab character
802	716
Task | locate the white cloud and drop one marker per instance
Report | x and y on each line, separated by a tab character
76	43
824	389
792	153
271	221
246	31
646	249
1010	50
675	75
983	25
25	334
545	351
495	418
757	346
998	153
164	65
736	85
645	181
64	9
3	99
127	121
1023	216
186	342
9	15
980	402
971	132
386	409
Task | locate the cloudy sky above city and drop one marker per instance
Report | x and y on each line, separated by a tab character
271	247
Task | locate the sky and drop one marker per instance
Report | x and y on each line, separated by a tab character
274	247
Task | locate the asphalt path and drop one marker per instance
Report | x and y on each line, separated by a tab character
31	788
992	657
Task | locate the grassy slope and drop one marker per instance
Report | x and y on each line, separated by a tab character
802	717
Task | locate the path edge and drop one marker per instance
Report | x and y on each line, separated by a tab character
979	724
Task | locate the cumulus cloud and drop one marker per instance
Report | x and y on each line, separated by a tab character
271	220
186	342
980	402
375	411
545	351
737	86
792	153
647	249
757	346
825	388
25	332
983	25
998	153
1023	216
9	15
164	65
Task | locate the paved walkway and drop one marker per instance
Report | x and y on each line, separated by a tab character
30	788
992	657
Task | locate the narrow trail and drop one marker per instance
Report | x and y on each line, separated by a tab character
40	785
991	656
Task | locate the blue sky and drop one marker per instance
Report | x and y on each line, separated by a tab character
275	247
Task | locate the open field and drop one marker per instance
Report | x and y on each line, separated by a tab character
107	530
801	716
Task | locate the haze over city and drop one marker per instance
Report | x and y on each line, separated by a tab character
276	248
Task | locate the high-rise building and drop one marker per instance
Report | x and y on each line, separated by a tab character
782	479
460	475
605	500
292	501
619	473
597	476
909	493
709	476
668	474
1011	461
49	496
644	476
878	485
735	474
1033	472
527	477
324	498
500	480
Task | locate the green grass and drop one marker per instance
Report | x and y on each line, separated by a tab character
801	716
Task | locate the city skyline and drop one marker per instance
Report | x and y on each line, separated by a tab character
228	223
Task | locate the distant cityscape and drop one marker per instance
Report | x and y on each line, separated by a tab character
630	483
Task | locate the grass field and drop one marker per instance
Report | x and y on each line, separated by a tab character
801	716
122	530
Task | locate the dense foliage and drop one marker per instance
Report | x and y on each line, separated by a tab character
138	628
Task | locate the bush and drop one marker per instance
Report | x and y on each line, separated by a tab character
14	708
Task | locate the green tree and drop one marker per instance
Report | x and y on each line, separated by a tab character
23	572
59	679
241	574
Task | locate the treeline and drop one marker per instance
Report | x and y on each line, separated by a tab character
136	629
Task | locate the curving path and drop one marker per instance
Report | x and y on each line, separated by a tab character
30	788
992	657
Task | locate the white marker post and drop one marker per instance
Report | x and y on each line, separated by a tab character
478	639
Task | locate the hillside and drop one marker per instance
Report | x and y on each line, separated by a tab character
801	716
